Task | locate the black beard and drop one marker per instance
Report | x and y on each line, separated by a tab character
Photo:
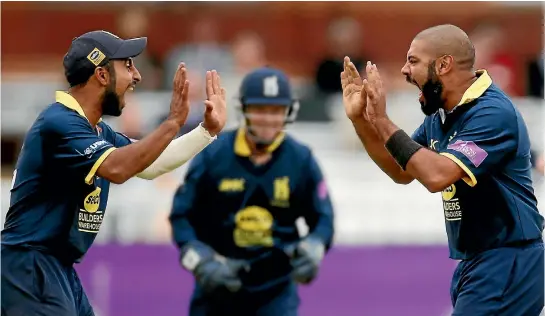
431	92
111	105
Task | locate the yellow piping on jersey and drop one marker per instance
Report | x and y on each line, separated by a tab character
100	160
478	88
71	103
471	180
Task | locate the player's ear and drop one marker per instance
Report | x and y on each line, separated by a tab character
103	75
444	64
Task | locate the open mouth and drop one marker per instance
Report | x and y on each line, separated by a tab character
420	94
421	97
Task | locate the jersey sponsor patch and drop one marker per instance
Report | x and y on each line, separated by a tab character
94	147
474	153
322	190
253	227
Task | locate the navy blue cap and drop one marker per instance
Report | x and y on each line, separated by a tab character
266	86
97	48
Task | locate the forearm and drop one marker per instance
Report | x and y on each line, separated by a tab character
178	152
324	230
374	146
182	229
125	162
431	169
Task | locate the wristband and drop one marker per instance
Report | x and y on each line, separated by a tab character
402	147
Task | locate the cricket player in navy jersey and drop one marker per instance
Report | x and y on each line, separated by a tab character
70	156
473	147
234	217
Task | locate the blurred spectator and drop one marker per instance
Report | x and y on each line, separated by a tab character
345	39
134	23
535	77
248	51
489	42
203	52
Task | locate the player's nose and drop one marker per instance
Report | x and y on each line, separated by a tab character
405	69
136	75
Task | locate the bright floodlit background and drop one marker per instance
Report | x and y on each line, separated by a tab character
390	256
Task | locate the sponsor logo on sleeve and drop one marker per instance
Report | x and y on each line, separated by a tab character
474	153
94	147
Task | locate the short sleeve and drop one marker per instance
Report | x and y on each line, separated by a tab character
484	141
419	135
76	145
115	138
122	140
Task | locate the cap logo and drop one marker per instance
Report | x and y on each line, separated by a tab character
270	86
96	56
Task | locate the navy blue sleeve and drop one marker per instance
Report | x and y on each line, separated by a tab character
76	145
187	200
533	157
116	138
486	138
121	140
419	135
319	210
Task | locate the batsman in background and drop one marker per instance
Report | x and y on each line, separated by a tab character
473	147
234	217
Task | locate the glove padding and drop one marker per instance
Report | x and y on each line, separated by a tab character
305	259
220	274
214	273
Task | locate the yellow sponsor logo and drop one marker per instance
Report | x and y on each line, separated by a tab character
92	201
96	56
253	227
231	185
449	193
281	192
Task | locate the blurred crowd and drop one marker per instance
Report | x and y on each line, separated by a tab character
345	37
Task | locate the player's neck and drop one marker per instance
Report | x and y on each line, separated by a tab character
454	96
258	156
89	104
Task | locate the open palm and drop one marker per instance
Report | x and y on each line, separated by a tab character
354	96
215	114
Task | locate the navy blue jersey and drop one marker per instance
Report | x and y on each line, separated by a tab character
494	204
249	212
57	202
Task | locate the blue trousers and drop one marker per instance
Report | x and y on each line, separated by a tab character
35	283
504	281
279	301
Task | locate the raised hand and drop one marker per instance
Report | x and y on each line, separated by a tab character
179	104
376	96
354	96
215	114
